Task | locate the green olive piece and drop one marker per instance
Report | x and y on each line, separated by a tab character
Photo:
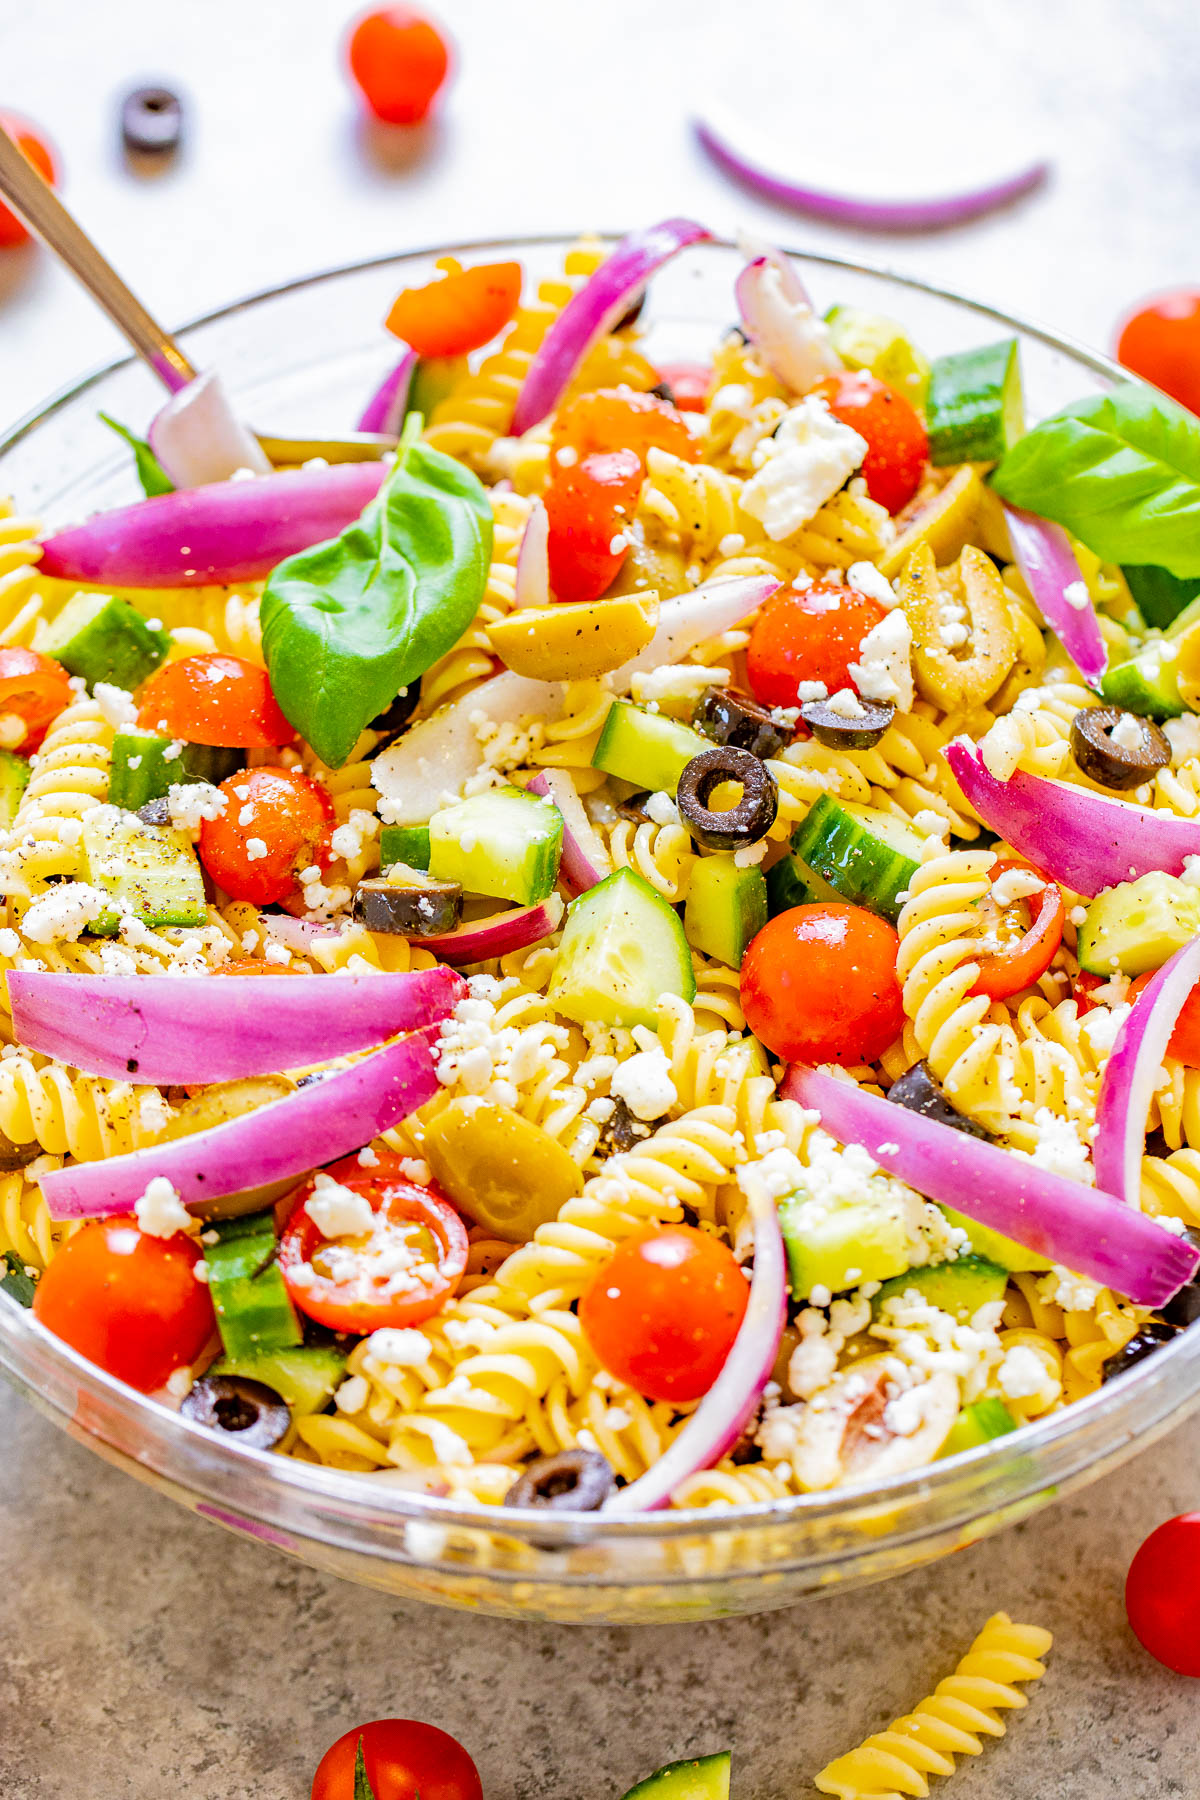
505	1173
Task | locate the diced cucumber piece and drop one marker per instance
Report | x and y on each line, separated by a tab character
254	1312
726	906
407	844
974	411
623	947
14	779
870	340
646	748
705	1778
305	1376
103	638
865	855
1161	597
792	883
1146	684
142	769
994	1247
151	870
977	1424
506	842
958	1288
840	1246
1138	925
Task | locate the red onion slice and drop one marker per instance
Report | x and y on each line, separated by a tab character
1127	1085
594	310
197	438
385	410
533	559
431	764
585	861
1084	840
1090	1232
163	1030
1049	565
792	341
498	935
687	620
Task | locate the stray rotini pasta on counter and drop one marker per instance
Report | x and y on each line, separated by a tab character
639	946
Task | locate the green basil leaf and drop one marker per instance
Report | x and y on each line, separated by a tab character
1121	471
15	1282
362	1781
151	474
348	623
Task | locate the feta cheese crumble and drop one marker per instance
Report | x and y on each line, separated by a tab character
810	457
338	1211
884	671
160	1212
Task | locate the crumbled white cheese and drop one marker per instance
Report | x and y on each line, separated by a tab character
1001	748
338	1211
1058	1147
10	943
1190	873
60	914
1078	915
732	544
931	824
256	849
116	705
846	704
662	809
1022	1375
1014	885
160	1212
277	953
399	1346
1183	735
811	690
885	669
1128	733
866	579
353	1394
1075	594
191	803
645	1084
810	457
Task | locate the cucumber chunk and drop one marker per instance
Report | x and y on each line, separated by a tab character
726	906
866	856
646	748
994	1247
1146	684
1138	925
792	883
622	948
142	770
506	842
841	1245
14	779
151	870
407	844
1161	597
974	411
705	1778
870	340
253	1310
103	638
959	1288
977	1424
304	1375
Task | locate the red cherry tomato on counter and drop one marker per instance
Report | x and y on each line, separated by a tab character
1026	949
276	822
819	984
1184	1045
33	691
128	1302
590	503
401	1271
36	150
1162	1594
663	1312
813	634
214	699
461	311
691	384
403	1759
1161	342
399	60
897	445
620	419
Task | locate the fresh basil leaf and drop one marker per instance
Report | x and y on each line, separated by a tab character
15	1282
151	474
362	1781
1121	471
348	623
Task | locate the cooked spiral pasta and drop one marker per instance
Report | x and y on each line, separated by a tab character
76	1115
20	602
69	776
26	1228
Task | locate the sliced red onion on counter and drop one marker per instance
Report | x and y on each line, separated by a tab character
533	559
315	1125
918	212
1087	1231
594	310
1084	840
498	935
198	439
725	1410
431	764
687	620
385	410
1051	569
1127	1084
585	861
161	1029
792	341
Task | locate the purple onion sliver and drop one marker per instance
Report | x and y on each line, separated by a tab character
499	935
533	559
385	410
1127	1085
198	438
1051	570
585	861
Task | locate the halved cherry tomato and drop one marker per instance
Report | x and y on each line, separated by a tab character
214	699
620	419
128	1302
691	384
1184	1045
1161	341
276	822
252	966
590	503
1082	989
819	984
897	443
33	689
399	60
36	150
663	1312
1162	1594
403	1759
461	311
1028	949
402	1272
809	635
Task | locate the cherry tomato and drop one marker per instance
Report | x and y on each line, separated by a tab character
1082	989
34	689
129	1302
36	150
1028	950
819	984
620	419
897	445
354	1284
1161	341
1162	1594
214	699
459	312
252	966
809	635
663	1312
589	504
276	822
691	384
399	60
1185	1039
404	1759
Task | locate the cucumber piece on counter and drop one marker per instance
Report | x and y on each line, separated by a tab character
505	843
103	638
1138	925
870	340
959	1288
407	844
150	869
1161	597
726	906
14	779
974	411
977	1424
645	747
994	1247
305	1375
142	770
254	1313
1146	683
622	948
866	856
840	1246
704	1778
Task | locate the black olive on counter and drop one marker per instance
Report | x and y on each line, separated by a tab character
155	812
1150	1338
744	823
1104	758
919	1091
152	121
572	1480
232	1404
839	732
728	717
409	908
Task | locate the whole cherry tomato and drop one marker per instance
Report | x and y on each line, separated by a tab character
1028	947
276	822
810	634
690	383
214	699
897	444
590	503
34	689
399	60
403	1759
1185	1039
1162	1594
620	419
460	312
36	150
819	984
1161	342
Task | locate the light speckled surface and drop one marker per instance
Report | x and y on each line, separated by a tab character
144	1652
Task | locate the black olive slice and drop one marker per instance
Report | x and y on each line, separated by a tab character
572	1480
1183	1309
633	806
632	313
622	1130
155	812
1150	1338
232	1404
1105	759
919	1090
17	1156
662	390
409	908
152	121
833	728
744	823
728	717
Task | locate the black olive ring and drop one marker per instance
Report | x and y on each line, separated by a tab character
744	823
570	1481
732	718
238	1407
1110	763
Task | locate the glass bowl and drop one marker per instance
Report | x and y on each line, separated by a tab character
301	359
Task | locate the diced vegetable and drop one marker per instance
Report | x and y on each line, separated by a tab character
726	906
14	779
622	948
706	1778
151	871
1147	683
959	1288
870	340
839	1247
305	1375
974	407
647	748
143	768
977	1424
254	1313
407	844
505	842
867	856
571	643
103	638
994	1247
1138	925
